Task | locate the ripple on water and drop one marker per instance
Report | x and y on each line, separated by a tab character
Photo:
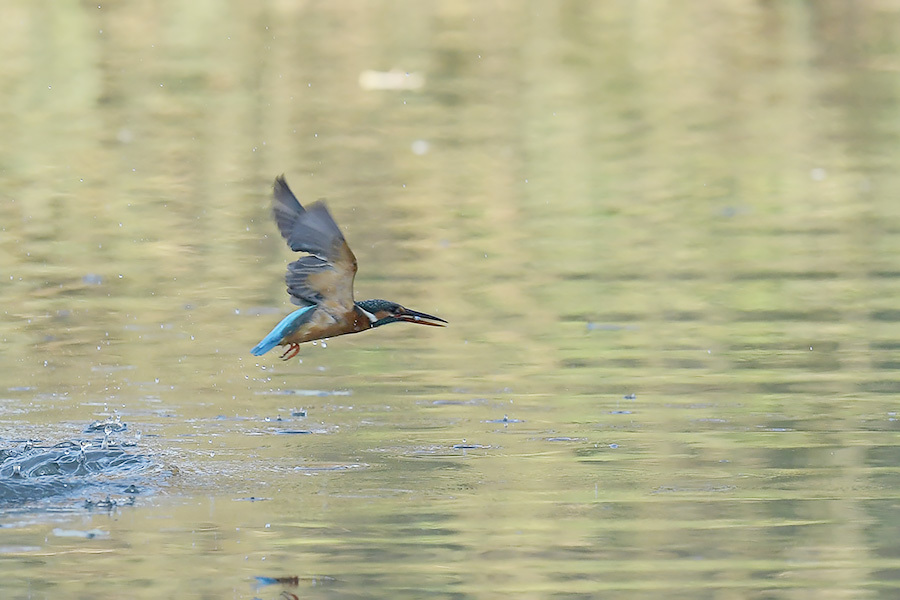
504	420
318	468
69	471
313	393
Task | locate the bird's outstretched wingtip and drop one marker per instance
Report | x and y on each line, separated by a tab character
280	184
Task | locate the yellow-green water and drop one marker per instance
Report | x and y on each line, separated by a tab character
666	236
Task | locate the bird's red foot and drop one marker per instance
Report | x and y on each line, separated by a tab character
292	351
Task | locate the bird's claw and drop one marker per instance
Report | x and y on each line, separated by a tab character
292	351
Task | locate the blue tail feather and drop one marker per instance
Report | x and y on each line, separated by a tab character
287	326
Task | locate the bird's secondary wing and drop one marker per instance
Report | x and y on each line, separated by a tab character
325	277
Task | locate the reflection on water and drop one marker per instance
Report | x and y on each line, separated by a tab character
665	237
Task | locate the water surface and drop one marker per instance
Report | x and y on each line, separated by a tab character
665	237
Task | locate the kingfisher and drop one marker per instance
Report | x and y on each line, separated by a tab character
321	282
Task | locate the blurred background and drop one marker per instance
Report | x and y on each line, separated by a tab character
665	235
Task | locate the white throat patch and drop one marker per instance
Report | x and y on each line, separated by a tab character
372	318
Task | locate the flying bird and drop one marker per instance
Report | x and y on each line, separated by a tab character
321	282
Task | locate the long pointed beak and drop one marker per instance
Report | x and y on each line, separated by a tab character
420	318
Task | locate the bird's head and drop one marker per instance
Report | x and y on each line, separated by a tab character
386	312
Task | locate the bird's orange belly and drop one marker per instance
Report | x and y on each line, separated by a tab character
323	324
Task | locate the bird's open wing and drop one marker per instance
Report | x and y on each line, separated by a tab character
325	277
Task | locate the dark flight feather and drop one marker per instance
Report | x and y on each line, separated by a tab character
297	279
326	277
308	229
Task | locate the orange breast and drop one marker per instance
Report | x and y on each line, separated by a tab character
324	324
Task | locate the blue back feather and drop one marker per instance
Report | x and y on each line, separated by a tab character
288	325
